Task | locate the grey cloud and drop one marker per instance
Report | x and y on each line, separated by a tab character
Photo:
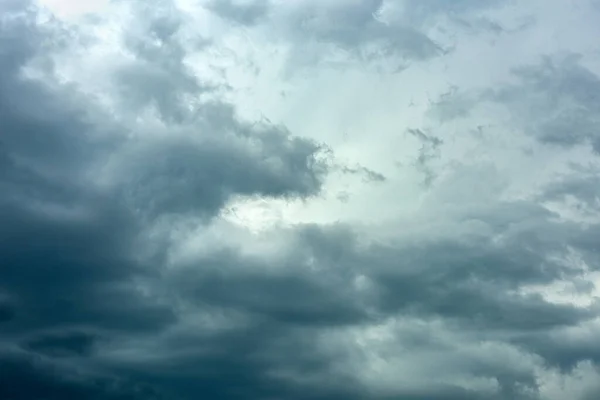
451	105
71	273
424	138
562	350
465	283
473	289
262	159
158	77
91	308
591	394
63	344
473	282
292	296
351	27
481	25
430	150
354	27
88	266
580	183
313	28
436	7
585	241
27	377
7	311
260	360
368	174
245	13
557	101
166	176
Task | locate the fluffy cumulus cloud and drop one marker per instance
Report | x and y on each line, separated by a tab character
332	199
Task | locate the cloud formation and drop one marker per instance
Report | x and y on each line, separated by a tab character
299	200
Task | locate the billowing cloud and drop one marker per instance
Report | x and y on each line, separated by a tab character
242	199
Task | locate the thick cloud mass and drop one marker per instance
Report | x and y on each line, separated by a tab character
230	199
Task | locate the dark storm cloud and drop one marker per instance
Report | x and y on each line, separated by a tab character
166	175
177	171
62	245
233	282
65	273
277	297
26	377
472	283
71	276
562	350
92	307
64	343
7	311
262	359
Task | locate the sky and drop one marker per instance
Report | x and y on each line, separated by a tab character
299	199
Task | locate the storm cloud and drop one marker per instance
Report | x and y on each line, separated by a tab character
170	216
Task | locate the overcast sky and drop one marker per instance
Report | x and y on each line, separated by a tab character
299	199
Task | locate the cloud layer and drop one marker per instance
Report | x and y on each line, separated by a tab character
299	200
